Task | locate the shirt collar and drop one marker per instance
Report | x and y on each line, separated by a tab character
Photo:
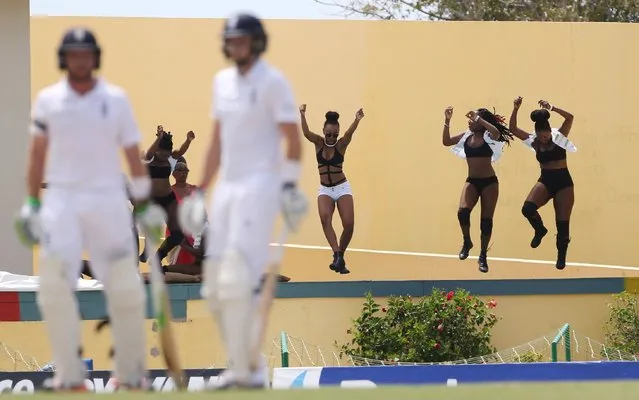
256	70
70	93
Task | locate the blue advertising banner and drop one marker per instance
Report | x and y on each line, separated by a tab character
455	374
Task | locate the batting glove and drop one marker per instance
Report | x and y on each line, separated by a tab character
192	213
27	224
294	206
152	219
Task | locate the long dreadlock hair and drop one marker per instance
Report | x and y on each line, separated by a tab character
498	122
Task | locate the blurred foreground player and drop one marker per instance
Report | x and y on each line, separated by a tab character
78	127
253	107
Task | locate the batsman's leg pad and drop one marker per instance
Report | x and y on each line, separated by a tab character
59	307
235	296
126	306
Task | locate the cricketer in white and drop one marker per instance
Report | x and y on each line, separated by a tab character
79	126
253	108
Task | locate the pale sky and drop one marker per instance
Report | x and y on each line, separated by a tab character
280	9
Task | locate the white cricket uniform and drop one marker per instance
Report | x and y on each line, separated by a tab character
245	202
85	205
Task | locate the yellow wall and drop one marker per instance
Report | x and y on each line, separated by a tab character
404	74
321	322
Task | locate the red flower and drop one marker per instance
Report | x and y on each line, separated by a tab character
450	295
384	309
459	308
440	327
437	346
492	303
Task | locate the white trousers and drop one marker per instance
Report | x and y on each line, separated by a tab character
335	192
97	221
242	217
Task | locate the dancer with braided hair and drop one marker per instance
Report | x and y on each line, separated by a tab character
481	145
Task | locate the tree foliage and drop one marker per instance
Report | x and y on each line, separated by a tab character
492	10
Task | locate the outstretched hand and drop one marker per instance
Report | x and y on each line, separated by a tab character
359	114
190	135
303	108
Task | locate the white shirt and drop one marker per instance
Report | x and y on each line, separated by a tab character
249	110
558	138
86	134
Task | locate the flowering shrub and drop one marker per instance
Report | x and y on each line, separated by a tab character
445	326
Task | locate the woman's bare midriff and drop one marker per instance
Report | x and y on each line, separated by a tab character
335	177
480	167
559	164
160	187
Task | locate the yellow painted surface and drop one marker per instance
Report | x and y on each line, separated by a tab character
319	323
404	74
406	184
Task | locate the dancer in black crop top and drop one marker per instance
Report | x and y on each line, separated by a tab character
334	188
555	181
160	170
481	182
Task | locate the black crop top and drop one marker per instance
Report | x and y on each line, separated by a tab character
335	161
159	171
475	152
556	153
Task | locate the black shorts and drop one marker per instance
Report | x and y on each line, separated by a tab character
165	201
482	183
555	180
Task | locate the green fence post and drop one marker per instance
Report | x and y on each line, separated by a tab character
567	344
284	349
565	333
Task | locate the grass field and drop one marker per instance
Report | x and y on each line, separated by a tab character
542	391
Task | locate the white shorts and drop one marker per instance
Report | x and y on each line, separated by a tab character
96	221
242	217
335	192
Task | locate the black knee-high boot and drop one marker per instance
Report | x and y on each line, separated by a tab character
463	215
529	210
563	238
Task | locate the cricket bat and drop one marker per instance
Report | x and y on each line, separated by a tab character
269	288
162	314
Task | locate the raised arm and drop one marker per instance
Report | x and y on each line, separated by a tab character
492	129
185	146
568	117
348	135
150	152
512	125
310	136
446	139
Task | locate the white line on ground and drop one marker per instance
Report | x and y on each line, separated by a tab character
436	255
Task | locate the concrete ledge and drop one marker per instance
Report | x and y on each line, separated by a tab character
23	306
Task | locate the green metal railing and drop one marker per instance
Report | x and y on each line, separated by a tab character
284	349
564	333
